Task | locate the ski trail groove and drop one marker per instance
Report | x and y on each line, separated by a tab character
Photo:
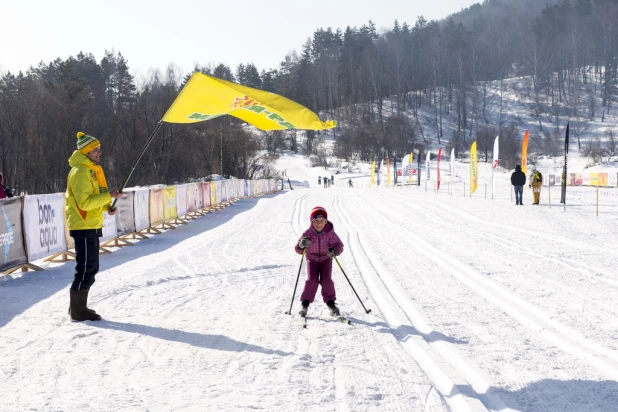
498	241
534	233
458	392
600	358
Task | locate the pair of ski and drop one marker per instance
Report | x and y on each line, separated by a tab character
342	319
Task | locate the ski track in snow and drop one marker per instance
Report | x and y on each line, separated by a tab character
562	337
468	313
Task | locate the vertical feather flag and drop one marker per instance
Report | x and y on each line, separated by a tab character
388	171
418	160
494	166
453	165
474	169
565	170
438	168
410	167
427	160
524	153
496	148
372	178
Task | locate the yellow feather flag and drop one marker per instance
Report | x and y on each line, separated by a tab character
205	97
410	163
388	171
474	169
372	179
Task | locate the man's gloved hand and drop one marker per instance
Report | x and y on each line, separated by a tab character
304	243
331	252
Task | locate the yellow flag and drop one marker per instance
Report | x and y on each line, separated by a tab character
474	169
372	179
206	97
388	171
410	165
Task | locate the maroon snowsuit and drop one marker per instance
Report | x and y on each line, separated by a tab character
319	264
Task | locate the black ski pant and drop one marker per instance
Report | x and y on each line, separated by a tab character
87	262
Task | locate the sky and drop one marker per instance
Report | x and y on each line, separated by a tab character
153	34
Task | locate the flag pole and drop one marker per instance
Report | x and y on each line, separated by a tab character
139	157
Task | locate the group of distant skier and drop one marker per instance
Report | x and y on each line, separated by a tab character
327	182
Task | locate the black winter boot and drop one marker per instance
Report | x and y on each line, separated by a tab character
88	309
334	310
303	311
79	309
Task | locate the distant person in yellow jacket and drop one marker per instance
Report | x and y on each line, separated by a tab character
536	182
87	198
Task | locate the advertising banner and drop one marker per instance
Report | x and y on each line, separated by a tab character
205	194
181	200
169	203
192	197
613	179
109	227
155	207
141	201
213	193
594	179
44	224
199	196
603	179
12	251
125	223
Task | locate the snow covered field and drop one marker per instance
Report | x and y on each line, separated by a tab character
476	305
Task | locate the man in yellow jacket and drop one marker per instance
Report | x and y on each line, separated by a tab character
87	198
536	182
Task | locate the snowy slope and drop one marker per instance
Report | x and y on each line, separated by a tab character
476	305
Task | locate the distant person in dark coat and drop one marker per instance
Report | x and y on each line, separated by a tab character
518	180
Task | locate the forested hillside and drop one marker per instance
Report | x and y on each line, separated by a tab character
391	92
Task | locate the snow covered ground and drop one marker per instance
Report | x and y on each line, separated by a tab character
475	305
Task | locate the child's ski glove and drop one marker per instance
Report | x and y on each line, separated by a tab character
331	252
304	242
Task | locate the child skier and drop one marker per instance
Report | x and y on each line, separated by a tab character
321	245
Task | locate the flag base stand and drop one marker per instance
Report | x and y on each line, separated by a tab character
117	242
24	268
61	257
135	235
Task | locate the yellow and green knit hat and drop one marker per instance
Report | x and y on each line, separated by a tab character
86	143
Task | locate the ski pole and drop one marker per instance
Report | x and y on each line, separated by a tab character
295	286
346	276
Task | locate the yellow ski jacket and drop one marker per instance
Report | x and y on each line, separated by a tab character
85	200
